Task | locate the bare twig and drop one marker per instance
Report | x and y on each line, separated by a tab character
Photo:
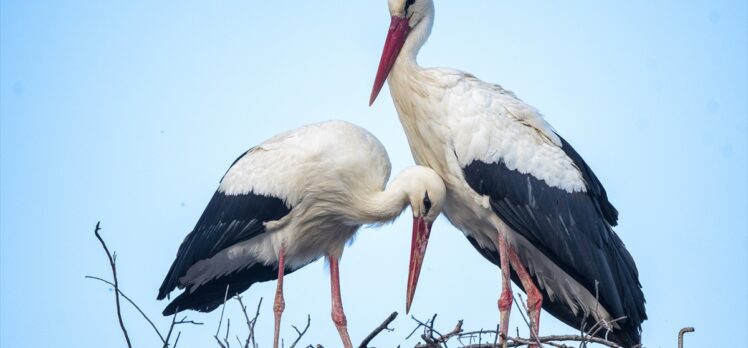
301	333
176	341
164	340
553	340
521	312
250	323
254	322
171	328
431	341
133	304
455	332
682	332
228	328
220	320
603	324
116	283
380	328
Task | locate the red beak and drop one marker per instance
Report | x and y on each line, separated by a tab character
399	29
421	232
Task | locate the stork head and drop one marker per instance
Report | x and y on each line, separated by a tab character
426	194
406	16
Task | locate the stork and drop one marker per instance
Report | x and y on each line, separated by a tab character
285	203
523	197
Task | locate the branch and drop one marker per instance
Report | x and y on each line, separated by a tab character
250	323
380	328
119	291
133	304
116	284
220	320
301	333
432	341
552	340
171	329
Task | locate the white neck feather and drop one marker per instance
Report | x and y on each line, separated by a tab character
380	206
407	59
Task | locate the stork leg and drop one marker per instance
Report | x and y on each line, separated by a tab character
505	300
338	316
534	297
280	303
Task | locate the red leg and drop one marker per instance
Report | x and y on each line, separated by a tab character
338	316
505	300
279	304
534	297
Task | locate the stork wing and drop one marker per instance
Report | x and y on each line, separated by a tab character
566	227
541	188
228	219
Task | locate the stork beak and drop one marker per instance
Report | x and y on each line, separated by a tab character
421	232
399	29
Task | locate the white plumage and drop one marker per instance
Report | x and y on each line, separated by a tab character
514	186
288	201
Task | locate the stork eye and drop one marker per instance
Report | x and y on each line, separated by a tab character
408	3
427	202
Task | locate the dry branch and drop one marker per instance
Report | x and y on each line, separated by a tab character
116	283
118	292
431	337
301	333
250	323
380	328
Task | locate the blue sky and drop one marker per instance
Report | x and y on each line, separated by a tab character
130	112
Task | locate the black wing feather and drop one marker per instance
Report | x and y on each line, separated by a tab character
594	187
571	229
227	220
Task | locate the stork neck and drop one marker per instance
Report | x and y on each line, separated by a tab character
382	206
407	59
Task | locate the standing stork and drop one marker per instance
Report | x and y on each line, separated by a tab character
285	203
519	192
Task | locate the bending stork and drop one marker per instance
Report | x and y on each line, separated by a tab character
285	203
520	193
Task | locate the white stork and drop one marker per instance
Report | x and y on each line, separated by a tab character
519	192
285	203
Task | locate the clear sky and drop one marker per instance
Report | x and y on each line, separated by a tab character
130	112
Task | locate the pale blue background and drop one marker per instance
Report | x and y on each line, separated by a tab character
129	113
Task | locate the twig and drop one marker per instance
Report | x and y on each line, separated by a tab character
250	323
116	283
301	333
254	322
133	304
682	332
185	321
552	340
604	324
455	332
228	328
415	329
521	312
220	320
379	329
171	328
179	334
165	341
